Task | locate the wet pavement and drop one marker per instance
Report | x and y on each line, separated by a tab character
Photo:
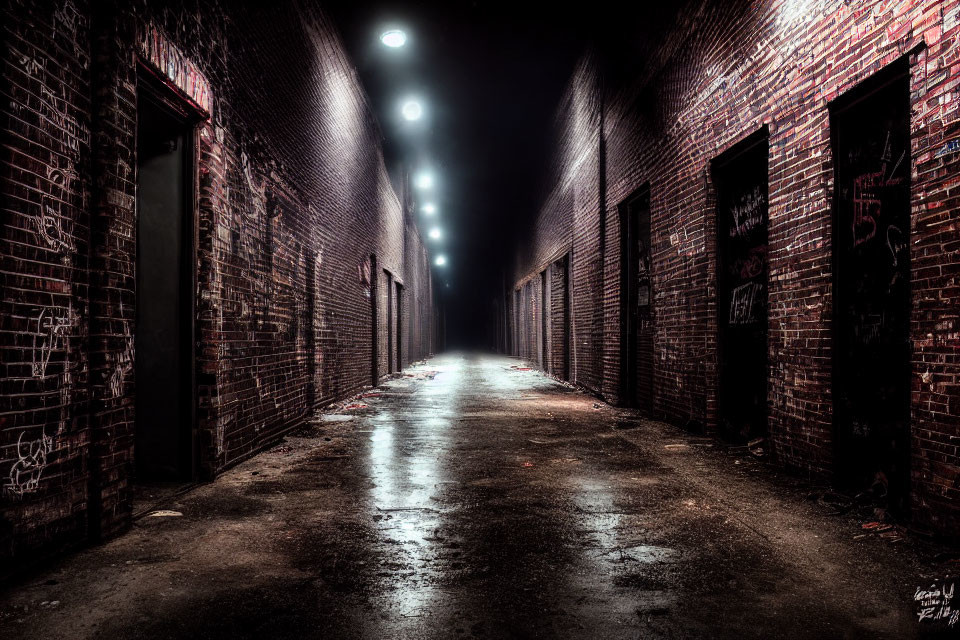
473	498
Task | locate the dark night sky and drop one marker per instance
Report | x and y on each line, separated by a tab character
490	75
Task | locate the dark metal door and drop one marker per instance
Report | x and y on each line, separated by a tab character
636	303
871	143
163	358
741	179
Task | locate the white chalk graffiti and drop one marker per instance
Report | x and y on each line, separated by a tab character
745	301
258	191
30	65
52	328
25	473
49	229
69	19
935	603
123	366
54	110
62	177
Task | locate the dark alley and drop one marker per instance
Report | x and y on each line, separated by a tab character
476	498
479	318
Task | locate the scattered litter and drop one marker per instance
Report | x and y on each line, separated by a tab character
840	503
164	513
891	536
596	405
335	418
528	464
535	441
50	603
519	368
676	447
422	375
757	447
355	405
372	394
876	527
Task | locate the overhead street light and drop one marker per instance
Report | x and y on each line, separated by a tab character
424	180
440	261
394	38
411	110
435	233
429	208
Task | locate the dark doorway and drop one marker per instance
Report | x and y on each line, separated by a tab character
165	307
374	321
740	176
399	312
388	279
636	303
871	377
559	319
544	321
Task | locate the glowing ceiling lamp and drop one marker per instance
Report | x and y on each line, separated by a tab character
411	110
394	38
424	180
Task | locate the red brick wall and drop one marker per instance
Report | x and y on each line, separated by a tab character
723	71
45	308
293	198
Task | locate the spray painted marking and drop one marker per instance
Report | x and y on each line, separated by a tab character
25	473
935	603
123	366
52	327
50	230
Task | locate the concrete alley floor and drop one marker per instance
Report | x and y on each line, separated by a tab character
472	498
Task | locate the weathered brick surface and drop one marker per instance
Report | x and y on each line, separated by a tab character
292	196
722	72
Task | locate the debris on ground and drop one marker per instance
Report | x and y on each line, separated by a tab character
517	367
371	394
676	447
757	447
164	513
527	464
422	375
356	405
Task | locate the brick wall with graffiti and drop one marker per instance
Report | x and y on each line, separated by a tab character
292	199
719	73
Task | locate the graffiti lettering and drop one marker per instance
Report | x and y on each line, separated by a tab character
51	330
935	603
747	212
50	230
123	366
745	301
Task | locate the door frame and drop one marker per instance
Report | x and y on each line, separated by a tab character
744	145
629	375
375	321
153	89
899	70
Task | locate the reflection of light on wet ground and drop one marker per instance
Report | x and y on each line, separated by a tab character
618	546
407	467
